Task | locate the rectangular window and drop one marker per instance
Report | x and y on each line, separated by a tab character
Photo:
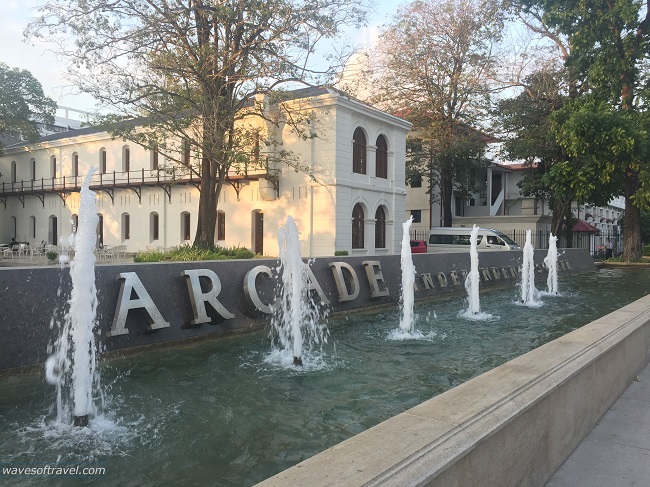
221	226
416	181
155	229
417	216
75	165
154	159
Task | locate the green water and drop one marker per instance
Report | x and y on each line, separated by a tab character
215	413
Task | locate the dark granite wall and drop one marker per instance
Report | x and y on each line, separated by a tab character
32	299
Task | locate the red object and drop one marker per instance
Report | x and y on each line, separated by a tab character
418	247
583	226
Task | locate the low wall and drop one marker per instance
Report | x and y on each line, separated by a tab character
146	304
511	426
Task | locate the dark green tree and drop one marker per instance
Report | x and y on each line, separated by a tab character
605	127
194	72
22	104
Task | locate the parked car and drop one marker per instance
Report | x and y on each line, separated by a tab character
418	247
457	239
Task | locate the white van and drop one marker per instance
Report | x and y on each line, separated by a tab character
457	239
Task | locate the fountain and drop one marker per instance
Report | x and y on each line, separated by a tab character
529	293
550	261
73	361
472	282
241	419
297	324
406	329
408	280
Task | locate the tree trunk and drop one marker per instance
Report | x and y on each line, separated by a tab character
568	227
558	217
207	215
632	227
446	189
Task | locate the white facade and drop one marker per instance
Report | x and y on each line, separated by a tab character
144	208
502	207
499	205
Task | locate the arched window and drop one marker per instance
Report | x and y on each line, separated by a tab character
126	226
359	152
221	225
53	167
33	169
13	172
75	164
357	227
75	222
185	226
380	228
102	160
126	159
32	226
154	224
381	169
53	230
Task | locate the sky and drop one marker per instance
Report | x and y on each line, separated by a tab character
49	69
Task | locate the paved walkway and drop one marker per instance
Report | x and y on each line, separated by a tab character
617	451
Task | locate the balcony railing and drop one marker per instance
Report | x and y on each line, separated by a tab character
142	177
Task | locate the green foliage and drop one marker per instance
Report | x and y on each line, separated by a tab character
606	128
606	141
51	255
340	252
187	253
646	250
22	104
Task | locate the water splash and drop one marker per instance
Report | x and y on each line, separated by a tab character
551	264
408	280
72	365
297	323
529	294
473	311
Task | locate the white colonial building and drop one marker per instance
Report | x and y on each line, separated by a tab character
351	197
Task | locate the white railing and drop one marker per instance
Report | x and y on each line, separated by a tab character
150	177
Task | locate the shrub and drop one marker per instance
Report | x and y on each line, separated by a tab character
51	254
646	249
184	253
340	252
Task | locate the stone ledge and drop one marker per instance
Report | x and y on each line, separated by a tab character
511	426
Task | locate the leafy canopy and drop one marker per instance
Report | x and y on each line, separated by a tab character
22	104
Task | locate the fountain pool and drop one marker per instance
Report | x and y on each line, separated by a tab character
215	413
